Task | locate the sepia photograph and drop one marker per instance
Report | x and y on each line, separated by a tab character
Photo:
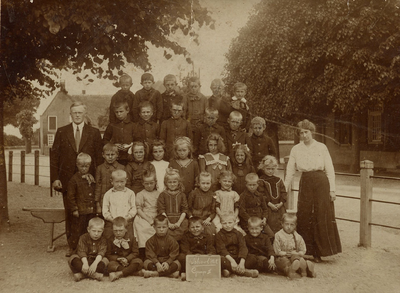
222	146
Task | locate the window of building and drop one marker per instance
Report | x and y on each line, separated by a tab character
50	139
52	123
375	125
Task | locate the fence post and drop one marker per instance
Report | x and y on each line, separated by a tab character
36	167
22	166
290	194
10	165
367	170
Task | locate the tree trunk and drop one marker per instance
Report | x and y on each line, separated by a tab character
28	145
4	218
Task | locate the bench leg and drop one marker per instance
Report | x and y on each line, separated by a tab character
50	248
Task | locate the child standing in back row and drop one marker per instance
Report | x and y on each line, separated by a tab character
148	93
125	83
170	94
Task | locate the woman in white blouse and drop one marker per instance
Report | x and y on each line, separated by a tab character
315	209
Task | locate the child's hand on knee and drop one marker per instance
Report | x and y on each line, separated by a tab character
159	267
207	222
271	263
75	214
165	266
171	226
240	268
85	268
92	269
234	265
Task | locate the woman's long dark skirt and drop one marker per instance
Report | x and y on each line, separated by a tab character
316	215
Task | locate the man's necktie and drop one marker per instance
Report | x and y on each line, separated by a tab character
77	138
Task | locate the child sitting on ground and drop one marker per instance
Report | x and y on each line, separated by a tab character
121	131
195	241
170	94
125	83
103	174
122	252
262	144
172	203
201	203
161	252
214	162
274	191
235	134
148	93
241	166
157	158
137	166
227	201
208	126
175	126
183	161
231	246
119	202
252	204
146	205
146	129
89	260
81	201
261	253
239	103
290	249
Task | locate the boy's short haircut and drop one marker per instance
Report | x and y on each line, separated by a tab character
203	174
145	104
227	216
217	81
120	100
194	79
160	219
96	221
77	104
169	77
124	77
176	102
211	111
227	173
235	114
268	161
287	216
195	219
120	221
258	120
254	222
110	147
83	157
251	177
118	174
146	76
239	85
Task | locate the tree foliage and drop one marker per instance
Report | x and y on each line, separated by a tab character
99	35
315	56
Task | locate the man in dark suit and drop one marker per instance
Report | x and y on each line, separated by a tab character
70	140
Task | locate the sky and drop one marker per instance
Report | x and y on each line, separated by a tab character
208	56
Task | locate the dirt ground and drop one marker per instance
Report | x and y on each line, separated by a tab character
27	267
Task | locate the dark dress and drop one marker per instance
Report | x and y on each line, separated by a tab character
275	192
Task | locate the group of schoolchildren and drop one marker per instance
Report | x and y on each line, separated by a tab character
153	203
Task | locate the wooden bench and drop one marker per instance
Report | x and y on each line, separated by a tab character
49	216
